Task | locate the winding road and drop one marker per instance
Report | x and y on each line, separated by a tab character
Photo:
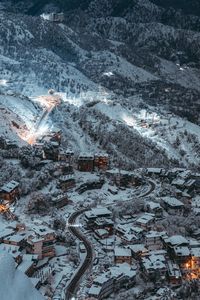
71	289
152	188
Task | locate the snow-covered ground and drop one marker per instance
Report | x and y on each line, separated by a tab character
14	285
164	129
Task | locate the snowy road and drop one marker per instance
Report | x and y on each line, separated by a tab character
71	289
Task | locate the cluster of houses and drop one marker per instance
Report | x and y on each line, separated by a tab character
137	242
28	246
123	178
49	145
112	280
88	162
9	193
134	241
185	182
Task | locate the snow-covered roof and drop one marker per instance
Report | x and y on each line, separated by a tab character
67	177
185	174
172	201
194	243
6	232
178	181
10	186
101	154
66	152
94	290
177	240
59	197
42	230
122	269
173	269
154	170
182	251
117	272
154	234
157	252
118	171
25	265
137	229
145	218
195	252
124	228
138	248
101	231
96	212
85	155
101	279
154	262
153	205
16	238
104	221
119	251
129	237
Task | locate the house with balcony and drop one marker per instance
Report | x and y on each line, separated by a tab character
146	221
60	200
10	192
153	240
174	274
66	156
155	208
122	255
154	266
41	242
97	213
101	161
172	205
66	182
116	278
16	239
86	162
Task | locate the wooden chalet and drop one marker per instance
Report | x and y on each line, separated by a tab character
10	191
101	161
51	149
66	156
66	182
60	200
122	255
41	242
86	162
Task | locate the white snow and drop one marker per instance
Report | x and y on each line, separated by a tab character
14	285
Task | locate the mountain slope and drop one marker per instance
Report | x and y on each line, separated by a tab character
135	55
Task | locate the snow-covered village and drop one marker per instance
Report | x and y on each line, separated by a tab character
81	227
99	150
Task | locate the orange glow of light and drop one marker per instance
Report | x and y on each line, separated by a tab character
3	208
48	102
28	137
